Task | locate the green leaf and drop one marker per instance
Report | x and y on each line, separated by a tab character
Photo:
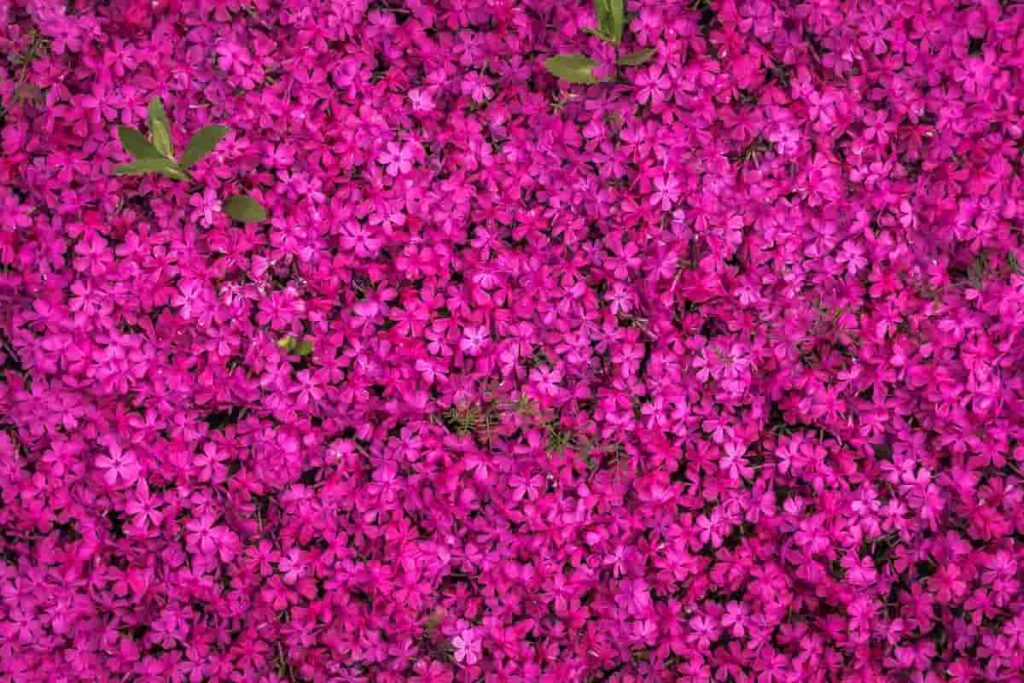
611	17
176	174
158	165
618	19
603	14
245	209
160	128
292	345
135	144
574	68
201	144
637	58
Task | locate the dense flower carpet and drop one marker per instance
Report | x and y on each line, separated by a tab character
511	340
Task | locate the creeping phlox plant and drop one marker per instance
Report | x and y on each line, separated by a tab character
704	368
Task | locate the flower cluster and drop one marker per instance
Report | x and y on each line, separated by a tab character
711	372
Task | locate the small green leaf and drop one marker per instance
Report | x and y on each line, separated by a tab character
153	165
574	68
433	621
135	144
245	209
162	140
176	174
618	19
201	144
611	17
160	128
637	58
603	14
292	345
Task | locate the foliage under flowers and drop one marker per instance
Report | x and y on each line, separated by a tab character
712	373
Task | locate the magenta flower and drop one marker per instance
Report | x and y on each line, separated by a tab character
118	466
144	507
473	339
467	647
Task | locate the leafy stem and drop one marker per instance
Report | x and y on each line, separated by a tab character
579	68
156	154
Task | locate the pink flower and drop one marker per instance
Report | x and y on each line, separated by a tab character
118	466
473	339
397	158
477	87
467	647
144	507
